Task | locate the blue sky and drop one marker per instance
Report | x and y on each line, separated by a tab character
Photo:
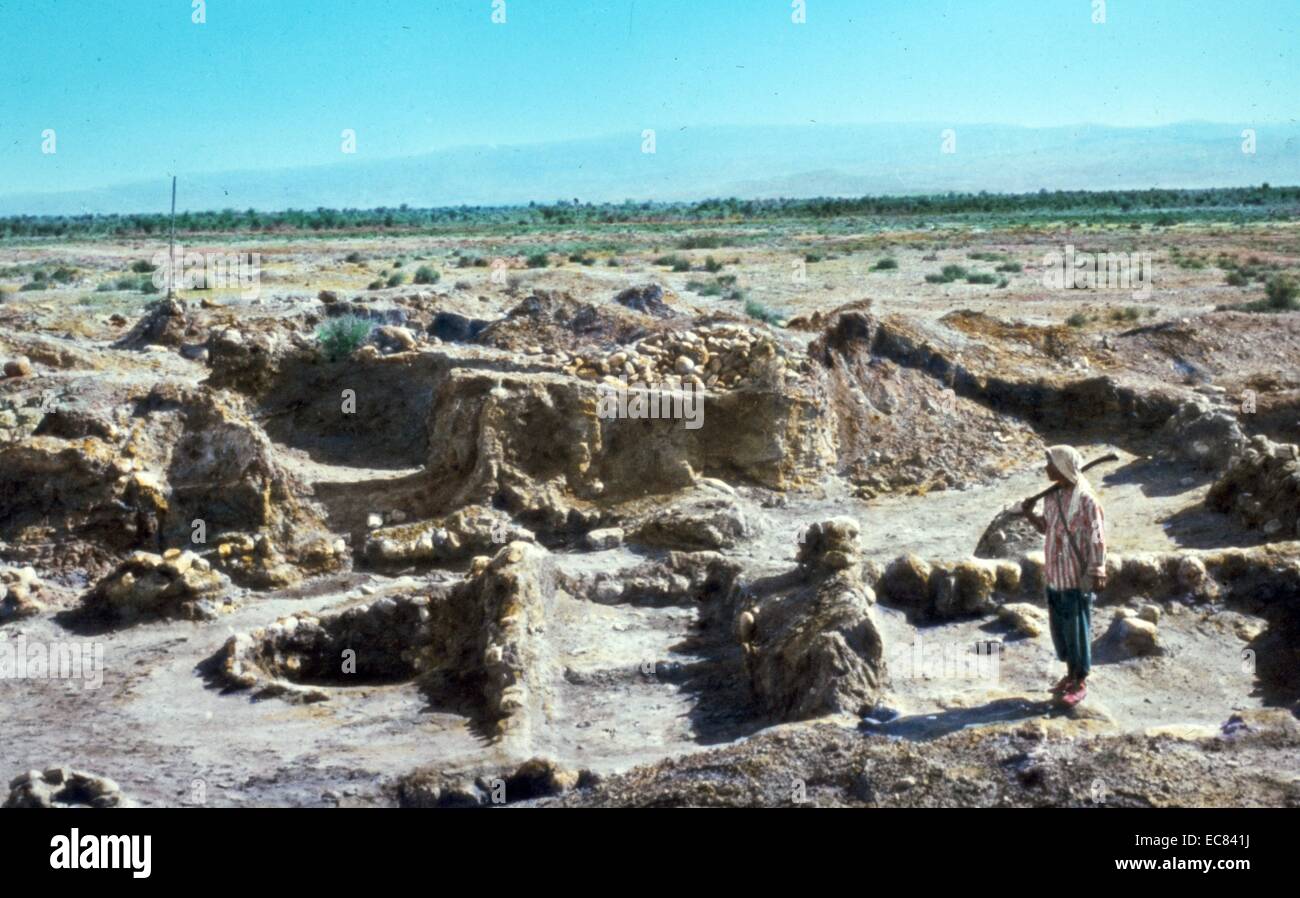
134	88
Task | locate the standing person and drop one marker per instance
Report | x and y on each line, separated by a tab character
1075	526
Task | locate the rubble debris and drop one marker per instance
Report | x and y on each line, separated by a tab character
63	787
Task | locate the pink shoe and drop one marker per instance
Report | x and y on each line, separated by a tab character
1075	695
1062	685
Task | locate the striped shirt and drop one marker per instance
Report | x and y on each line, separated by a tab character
1088	527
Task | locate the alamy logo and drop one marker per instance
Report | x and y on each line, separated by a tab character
638	400
1098	271
947	661
91	852
211	271
23	660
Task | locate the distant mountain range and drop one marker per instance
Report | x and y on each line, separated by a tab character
749	162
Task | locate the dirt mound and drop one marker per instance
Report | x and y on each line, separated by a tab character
554	320
648	300
165	323
1034	763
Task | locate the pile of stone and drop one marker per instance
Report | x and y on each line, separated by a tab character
678	578
1261	488
255	561
943	590
716	357
21	366
18	589
175	584
469	531
1134	633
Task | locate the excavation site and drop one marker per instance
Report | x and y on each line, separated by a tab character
540	404
581	535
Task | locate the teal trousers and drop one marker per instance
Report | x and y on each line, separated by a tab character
1070	614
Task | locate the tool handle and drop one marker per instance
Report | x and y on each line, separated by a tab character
1033	500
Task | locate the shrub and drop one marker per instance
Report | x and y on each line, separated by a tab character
1013	267
673	261
726	280
354	257
426	275
757	310
885	264
34	285
700	241
375	285
1078	319
704	288
613	262
64	275
396	279
712	265
1132	313
980	278
340	337
1282	293
1237	279
953	272
538	260
811	258
682	265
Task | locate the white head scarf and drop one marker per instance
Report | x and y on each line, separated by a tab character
1069	462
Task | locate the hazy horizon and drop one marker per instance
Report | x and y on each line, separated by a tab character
106	103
